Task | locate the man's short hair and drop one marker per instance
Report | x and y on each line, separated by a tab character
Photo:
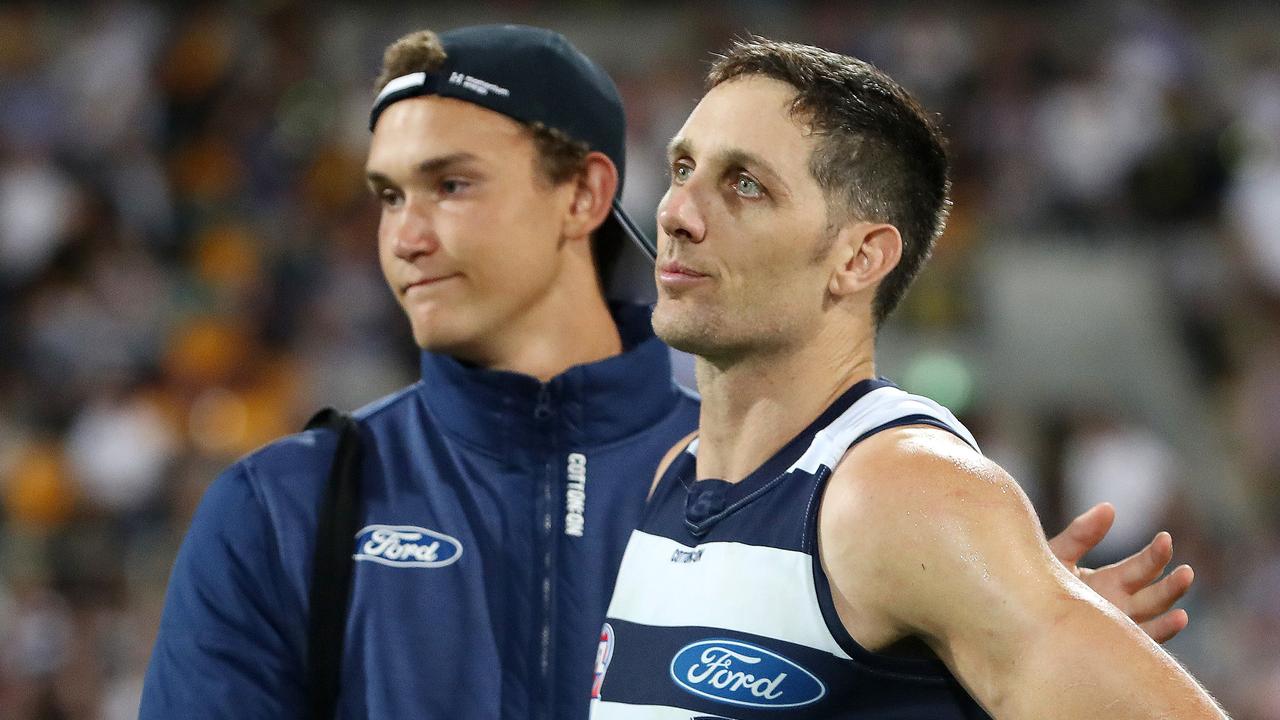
879	158
560	157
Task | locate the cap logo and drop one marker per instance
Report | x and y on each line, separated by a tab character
476	85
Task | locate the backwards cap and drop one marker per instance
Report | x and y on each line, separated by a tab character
534	76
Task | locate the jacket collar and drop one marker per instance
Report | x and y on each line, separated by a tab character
586	405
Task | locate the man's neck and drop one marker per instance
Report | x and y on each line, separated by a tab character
558	334
753	407
570	324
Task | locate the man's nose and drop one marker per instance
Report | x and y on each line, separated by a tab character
413	232
679	215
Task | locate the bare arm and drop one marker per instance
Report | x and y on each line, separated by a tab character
921	536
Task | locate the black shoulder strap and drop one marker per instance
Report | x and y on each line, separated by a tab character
332	568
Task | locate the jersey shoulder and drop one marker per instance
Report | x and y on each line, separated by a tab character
297	465
914	468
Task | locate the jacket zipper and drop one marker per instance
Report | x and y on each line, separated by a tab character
542	411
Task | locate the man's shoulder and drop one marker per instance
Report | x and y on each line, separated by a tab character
908	518
301	461
906	457
914	475
389	410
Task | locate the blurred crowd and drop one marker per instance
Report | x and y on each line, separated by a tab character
188	270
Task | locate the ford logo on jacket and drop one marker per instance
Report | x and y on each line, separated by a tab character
743	674
406	546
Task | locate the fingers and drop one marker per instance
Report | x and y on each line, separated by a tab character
1164	628
1135	587
1150	602
1086	531
1141	568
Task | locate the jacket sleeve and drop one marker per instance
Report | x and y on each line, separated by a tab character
228	645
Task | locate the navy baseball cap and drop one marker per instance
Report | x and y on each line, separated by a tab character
532	75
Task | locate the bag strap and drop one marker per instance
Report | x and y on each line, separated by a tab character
332	567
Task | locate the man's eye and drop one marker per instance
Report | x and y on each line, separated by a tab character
452	187
748	187
388	196
681	172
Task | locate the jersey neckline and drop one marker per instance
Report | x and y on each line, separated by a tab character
711	499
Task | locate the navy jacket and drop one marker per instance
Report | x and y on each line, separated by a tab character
496	509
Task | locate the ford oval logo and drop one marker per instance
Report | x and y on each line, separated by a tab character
742	674
406	546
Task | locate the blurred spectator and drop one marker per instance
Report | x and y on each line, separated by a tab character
35	197
119	450
1126	464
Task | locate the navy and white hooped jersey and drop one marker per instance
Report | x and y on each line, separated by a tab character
722	610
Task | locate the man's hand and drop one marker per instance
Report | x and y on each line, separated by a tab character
1130	584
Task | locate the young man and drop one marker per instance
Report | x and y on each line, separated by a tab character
498	492
830	546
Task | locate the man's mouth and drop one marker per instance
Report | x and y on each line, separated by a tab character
428	281
675	275
674	268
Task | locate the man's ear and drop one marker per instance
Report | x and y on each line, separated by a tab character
865	253
593	190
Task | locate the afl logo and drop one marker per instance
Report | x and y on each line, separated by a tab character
604	653
742	674
406	546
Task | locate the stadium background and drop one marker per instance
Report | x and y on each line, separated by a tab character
187	270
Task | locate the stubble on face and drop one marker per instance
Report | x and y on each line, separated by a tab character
767	254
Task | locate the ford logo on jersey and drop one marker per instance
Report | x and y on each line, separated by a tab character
743	674
406	546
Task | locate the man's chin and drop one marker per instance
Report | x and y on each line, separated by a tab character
437	339
691	337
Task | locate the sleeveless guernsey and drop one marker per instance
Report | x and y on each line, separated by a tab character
722	610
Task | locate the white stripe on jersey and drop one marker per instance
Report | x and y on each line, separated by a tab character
722	589
872	410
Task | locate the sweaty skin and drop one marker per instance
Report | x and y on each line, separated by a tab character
922	536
